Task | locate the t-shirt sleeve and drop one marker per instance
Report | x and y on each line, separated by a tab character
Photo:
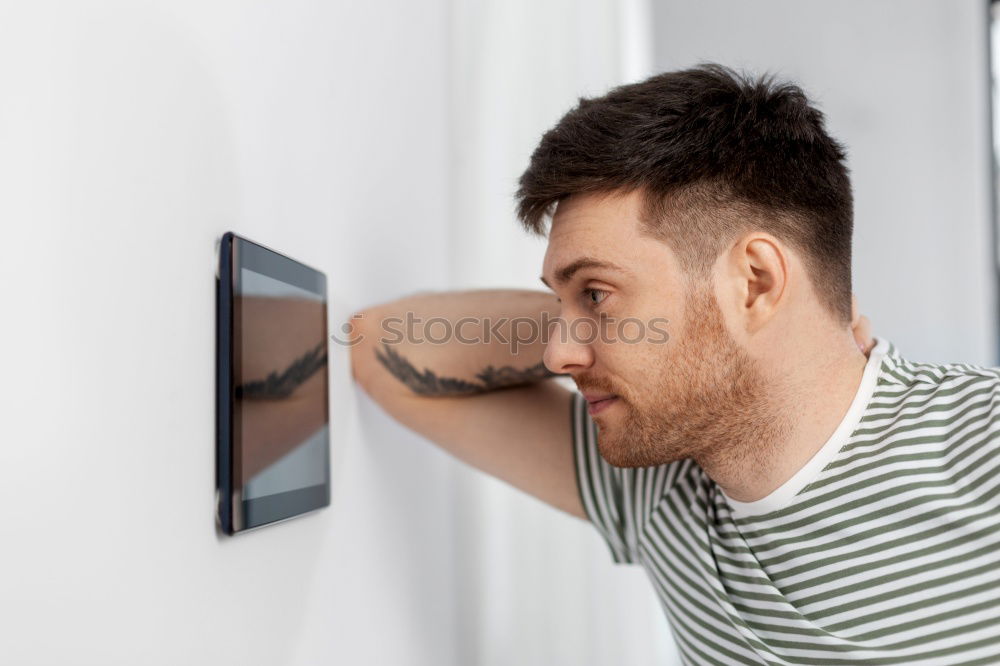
607	491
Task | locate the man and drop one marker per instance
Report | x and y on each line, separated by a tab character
791	500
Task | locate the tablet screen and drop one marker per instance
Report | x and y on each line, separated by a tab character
279	445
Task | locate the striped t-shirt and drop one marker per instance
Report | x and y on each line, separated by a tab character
883	549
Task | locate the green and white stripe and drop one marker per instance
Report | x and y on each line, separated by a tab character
889	553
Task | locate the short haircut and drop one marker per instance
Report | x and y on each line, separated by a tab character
715	153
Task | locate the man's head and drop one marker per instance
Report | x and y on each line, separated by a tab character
727	210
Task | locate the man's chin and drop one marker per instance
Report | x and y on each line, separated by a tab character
617	452
613	458
628	448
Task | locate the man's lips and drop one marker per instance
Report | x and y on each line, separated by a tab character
597	402
597	397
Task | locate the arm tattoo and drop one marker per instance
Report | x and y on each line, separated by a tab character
428	383
276	386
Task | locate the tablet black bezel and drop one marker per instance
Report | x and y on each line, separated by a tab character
235	514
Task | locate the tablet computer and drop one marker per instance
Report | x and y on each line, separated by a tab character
273	428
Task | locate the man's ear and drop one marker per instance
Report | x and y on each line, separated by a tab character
759	267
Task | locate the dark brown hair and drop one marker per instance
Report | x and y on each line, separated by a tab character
715	153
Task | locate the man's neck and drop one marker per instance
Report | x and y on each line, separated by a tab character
811	392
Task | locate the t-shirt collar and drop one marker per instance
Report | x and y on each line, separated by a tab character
783	495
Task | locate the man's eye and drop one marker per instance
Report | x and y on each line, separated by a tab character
595	296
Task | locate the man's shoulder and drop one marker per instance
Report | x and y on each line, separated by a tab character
917	403
902	371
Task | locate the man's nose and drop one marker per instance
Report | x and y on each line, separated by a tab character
564	353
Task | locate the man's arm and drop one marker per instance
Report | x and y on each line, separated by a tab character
476	398
447	366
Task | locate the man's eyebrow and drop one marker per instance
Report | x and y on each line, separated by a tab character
564	274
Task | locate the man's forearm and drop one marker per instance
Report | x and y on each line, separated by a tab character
453	343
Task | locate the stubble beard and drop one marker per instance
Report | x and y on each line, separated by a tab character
709	401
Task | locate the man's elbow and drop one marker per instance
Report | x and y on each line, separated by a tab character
359	341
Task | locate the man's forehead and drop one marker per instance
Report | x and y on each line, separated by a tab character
615	210
566	254
599	228
606	233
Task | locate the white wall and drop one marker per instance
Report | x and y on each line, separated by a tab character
903	83
132	134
